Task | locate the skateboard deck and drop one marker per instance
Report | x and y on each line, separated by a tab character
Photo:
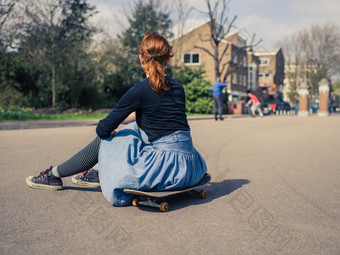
145	197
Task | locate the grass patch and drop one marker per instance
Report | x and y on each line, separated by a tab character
26	114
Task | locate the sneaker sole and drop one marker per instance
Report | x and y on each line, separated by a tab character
85	184
41	186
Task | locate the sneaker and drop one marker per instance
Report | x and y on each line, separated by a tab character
88	178
45	180
221	118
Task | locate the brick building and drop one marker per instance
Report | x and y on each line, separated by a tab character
253	73
271	71
235	59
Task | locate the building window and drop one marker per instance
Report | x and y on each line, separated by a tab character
252	76
234	80
244	80
235	59
191	58
195	58
264	61
186	58
244	61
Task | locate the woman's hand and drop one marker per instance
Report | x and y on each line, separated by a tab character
130	118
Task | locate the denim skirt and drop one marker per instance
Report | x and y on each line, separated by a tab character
130	161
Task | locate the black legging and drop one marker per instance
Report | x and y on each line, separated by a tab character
82	161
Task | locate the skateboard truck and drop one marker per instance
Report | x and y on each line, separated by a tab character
147	201
148	198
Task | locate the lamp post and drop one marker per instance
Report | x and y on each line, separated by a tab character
309	84
308	73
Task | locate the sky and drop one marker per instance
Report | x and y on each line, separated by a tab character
270	20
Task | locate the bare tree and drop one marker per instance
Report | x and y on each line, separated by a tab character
44	17
183	10
11	23
316	53
6	7
57	35
323	55
220	26
231	65
294	73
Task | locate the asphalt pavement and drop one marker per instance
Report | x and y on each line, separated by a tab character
275	190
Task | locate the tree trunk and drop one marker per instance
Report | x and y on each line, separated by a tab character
53	84
217	63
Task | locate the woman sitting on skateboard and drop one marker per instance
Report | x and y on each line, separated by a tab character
153	152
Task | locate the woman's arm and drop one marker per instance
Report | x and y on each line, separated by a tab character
128	104
130	118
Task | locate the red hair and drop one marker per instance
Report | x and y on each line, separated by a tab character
155	50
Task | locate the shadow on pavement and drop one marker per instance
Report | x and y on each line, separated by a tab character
215	190
82	189
220	189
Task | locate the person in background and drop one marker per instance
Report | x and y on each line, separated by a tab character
256	105
217	91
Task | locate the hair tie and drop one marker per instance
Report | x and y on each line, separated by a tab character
152	57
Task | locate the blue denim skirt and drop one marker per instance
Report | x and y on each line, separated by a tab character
130	161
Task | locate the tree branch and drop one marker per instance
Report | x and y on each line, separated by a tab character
229	26
204	49
5	13
203	40
220	29
224	51
212	21
224	65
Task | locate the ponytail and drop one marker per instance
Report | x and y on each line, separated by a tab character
155	51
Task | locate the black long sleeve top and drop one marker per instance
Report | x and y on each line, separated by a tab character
157	115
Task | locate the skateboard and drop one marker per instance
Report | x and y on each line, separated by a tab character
149	198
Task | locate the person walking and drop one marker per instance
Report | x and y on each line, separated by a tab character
153	152
256	104
217	92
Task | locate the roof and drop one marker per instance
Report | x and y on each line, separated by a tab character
187	26
266	52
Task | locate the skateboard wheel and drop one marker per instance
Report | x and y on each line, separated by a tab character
135	201
164	207
203	194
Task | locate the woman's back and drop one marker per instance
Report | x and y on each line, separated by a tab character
160	115
157	115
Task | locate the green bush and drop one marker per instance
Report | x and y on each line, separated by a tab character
9	95
198	95
202	105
